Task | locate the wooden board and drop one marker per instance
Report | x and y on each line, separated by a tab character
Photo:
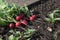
22	2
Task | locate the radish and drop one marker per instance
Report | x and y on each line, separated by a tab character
24	22
19	17
11	25
33	17
18	24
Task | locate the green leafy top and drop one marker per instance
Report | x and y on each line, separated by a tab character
0	38
9	11
26	35
52	17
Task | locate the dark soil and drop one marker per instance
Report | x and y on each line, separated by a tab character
42	9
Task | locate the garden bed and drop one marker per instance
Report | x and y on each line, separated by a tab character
42	9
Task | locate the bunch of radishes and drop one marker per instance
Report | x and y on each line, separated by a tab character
22	19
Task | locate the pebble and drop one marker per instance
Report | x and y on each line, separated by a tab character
38	26
49	29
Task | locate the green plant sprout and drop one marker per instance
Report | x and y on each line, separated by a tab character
56	34
25	35
0	38
15	35
57	13
28	34
52	17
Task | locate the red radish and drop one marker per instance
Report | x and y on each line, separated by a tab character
19	17
33	17
11	25
18	24
24	22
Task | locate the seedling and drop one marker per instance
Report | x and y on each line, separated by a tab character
28	34
0	38
15	35
57	13
25	35
51	18
56	34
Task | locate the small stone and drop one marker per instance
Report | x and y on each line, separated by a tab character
38	26
49	29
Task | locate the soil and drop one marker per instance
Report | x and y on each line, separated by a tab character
42	9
